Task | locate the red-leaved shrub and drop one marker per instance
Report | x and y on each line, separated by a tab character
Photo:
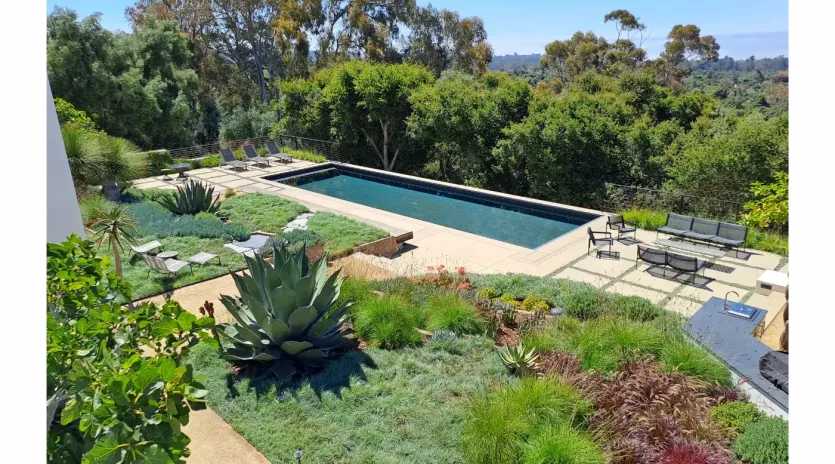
689	452
560	363
644	414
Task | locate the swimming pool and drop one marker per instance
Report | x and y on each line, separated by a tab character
512	220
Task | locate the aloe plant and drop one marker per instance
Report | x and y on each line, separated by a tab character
192	198
518	359
286	317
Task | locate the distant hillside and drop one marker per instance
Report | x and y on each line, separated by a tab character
514	61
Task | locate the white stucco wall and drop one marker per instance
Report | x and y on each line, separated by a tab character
62	214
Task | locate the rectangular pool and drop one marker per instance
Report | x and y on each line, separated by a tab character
523	223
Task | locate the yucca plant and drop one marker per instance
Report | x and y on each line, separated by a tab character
518	359
114	225
286	317
192	198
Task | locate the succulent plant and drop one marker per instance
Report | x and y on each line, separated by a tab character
192	198
286	318
443	335
518	359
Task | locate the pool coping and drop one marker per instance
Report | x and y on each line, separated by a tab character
548	246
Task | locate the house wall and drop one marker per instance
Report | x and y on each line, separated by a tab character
62	214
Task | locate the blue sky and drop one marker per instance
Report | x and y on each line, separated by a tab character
742	27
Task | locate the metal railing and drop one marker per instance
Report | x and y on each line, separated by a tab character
322	147
621	197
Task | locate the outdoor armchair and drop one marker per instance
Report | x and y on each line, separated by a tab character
616	222
598	238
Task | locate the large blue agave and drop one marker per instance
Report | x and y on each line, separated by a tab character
286	317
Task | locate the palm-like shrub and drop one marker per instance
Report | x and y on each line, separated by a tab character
286	317
192	198
82	151
117	161
114	225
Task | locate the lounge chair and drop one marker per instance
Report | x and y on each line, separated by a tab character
702	229
685	264
252	155
229	159
651	256
616	222
676	225
165	266
203	258
276	153
146	248
597	241
732	235
675	261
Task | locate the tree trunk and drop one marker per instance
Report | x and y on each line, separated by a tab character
117	259
111	190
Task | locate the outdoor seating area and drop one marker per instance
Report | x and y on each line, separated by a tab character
724	234
274	153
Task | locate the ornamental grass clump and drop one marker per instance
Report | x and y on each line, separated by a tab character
451	312
388	322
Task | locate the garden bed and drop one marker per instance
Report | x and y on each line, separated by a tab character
409	397
189	235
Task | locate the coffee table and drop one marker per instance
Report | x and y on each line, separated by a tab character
710	253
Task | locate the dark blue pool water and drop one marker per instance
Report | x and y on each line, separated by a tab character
525	225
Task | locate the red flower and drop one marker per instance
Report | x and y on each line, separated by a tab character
430	268
465	286
462	271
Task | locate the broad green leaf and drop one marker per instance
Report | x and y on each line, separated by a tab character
186	320
305	288
293	347
71	412
106	451
153	454
302	318
277	330
284	302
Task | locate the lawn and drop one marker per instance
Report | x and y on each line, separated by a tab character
258	211
189	235
373	406
341	233
144	285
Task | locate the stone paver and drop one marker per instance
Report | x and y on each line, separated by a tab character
152	184
641	277
623	288
758	258
607	267
580	276
226	178
237	183
212	174
251	173
481	253
740	275
714	288
684	307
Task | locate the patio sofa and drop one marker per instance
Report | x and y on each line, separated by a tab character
705	230
681	263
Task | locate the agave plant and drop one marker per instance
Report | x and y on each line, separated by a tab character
286	318
518	359
191	198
